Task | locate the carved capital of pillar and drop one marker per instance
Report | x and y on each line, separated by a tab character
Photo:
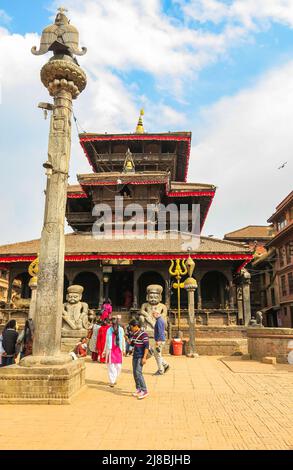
190	284
63	74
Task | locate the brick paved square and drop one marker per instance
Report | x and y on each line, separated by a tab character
200	403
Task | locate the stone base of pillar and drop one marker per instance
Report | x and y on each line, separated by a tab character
47	385
70	338
68	344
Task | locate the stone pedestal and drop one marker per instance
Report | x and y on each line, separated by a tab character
70	338
48	376
41	384
269	342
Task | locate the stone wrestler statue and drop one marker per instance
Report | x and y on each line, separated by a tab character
153	304
75	314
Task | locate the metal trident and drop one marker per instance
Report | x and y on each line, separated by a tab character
178	272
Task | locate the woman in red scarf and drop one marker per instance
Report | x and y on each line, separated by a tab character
101	339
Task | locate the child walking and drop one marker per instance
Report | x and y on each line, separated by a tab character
140	342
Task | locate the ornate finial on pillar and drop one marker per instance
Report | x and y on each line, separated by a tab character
190	264
139	127
61	38
62	10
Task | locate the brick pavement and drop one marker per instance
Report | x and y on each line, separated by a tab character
201	403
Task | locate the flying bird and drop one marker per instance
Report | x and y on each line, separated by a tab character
282	166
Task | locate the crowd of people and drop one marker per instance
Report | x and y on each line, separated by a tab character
14	344
107	342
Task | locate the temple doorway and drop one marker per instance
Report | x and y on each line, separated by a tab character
25	290
121	289
150	277
91	284
65	286
214	290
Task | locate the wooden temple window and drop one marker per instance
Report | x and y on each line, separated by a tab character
168	147
152	148
78	205
102	147
119	148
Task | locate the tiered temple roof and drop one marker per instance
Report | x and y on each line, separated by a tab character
84	247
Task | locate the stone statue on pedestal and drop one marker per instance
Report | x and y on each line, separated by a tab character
153	304
258	320
75	314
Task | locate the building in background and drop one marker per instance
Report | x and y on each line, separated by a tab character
4	285
143	169
282	247
261	267
255	236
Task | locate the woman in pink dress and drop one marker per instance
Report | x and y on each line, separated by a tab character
101	340
114	350
106	310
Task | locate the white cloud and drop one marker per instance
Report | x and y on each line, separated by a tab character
4	18
137	36
240	144
249	13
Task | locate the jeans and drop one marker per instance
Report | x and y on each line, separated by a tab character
137	374
7	361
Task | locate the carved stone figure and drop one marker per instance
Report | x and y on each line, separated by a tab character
153	304
257	321
199	320
18	302
75	313
259	318
245	276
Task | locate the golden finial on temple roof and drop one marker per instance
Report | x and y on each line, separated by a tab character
139	127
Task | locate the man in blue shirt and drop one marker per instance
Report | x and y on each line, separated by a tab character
160	339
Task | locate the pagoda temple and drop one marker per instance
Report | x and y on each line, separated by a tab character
141	168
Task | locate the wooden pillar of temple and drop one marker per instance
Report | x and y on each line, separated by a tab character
135	289
167	293
222	295
231	295
10	285
70	274
199	303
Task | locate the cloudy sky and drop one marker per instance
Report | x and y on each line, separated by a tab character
222	69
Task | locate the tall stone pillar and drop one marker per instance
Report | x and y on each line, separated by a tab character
47	375
52	249
64	80
190	285
243	297
246	298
